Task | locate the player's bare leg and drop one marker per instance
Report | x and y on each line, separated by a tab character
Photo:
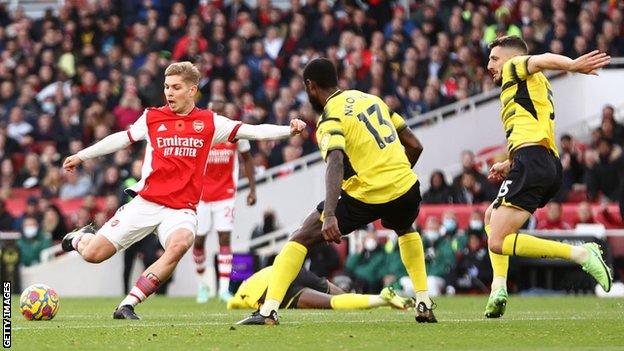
224	265
93	248
286	267
199	256
413	257
176	246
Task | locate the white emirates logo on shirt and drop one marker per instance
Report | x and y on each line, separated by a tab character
179	146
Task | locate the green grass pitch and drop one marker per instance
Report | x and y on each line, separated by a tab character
531	323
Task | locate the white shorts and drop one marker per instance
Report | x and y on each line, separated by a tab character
218	215
139	217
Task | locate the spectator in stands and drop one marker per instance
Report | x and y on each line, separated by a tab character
572	163
52	225
18	128
77	184
439	192
553	219
128	110
439	256
6	220
31	210
7	174
111	204
123	162
451	230
365	266
605	175
584	214
503	25
289	154
45	129
474	271
469	190
82	217
8	145
616	132
469	165
609	131
32	242
111	183
475	225
51	185
32	174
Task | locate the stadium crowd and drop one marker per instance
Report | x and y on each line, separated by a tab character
89	68
592	171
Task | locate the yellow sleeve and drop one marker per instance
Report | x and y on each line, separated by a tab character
397	121
515	70
330	132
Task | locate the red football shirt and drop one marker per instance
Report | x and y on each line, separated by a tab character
176	152
221	177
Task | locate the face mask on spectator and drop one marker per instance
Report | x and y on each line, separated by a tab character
476	224
431	235
370	244
30	232
48	107
450	225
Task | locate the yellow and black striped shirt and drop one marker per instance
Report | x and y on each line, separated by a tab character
376	167
528	112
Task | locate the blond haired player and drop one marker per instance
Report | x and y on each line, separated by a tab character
178	138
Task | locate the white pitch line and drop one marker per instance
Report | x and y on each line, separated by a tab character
150	325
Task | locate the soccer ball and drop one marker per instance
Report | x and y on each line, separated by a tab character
39	302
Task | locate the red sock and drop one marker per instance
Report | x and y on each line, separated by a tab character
144	287
224	267
199	256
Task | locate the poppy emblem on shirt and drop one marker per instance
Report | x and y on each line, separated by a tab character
179	125
198	125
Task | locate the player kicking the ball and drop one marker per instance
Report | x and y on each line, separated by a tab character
532	173
179	136
370	153
216	209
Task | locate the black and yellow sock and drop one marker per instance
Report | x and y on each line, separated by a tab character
500	263
529	246
413	257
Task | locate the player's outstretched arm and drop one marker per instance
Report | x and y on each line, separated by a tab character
269	131
333	180
589	63
413	147
110	144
